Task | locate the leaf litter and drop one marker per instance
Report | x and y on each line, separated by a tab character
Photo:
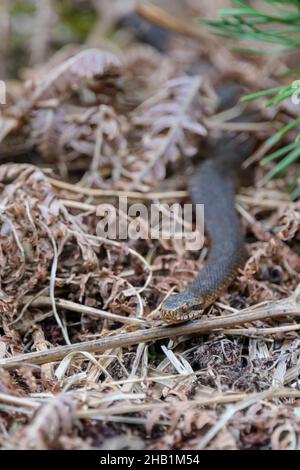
90	125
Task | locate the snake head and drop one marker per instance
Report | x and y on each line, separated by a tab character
181	307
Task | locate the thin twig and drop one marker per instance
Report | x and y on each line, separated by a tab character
127	339
149	196
283	392
52	286
43	301
18	401
264	203
239	126
261	331
159	16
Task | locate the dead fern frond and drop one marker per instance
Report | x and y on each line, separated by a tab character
171	126
31	218
51	421
64	134
66	77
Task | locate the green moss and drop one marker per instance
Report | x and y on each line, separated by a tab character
79	22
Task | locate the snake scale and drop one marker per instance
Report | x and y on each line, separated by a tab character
213	185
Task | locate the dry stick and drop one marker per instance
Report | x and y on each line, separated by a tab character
79	308
267	203
158	16
19	401
83	206
143	336
243	400
261	331
283	392
124	409
173	195
76	188
264	203
239	126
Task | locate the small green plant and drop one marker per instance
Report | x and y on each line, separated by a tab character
279	25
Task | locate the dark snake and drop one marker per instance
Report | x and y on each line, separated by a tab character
213	185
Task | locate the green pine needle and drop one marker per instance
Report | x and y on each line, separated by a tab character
284	164
280	27
278	153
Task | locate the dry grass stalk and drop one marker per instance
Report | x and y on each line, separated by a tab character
276	310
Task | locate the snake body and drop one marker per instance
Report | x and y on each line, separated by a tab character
212	185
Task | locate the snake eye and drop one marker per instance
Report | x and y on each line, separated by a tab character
196	308
196	305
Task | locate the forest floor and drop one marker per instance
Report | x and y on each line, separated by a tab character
83	350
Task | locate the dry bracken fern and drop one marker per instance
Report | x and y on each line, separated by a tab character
171	126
